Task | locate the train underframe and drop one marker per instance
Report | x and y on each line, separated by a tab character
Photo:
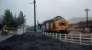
59	31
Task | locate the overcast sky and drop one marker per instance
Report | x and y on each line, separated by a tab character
47	9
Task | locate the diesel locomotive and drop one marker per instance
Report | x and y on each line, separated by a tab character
57	24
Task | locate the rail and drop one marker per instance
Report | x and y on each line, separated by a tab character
82	39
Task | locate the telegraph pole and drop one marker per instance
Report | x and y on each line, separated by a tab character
86	10
35	15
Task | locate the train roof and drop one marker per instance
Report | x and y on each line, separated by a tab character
58	18
54	19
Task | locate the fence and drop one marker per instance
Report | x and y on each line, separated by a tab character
82	39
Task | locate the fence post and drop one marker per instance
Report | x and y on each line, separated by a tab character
52	35
60	37
45	33
65	36
71	38
91	38
80	38
56	35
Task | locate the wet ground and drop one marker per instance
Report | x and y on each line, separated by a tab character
37	41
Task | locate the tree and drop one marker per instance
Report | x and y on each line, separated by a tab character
12	23
9	21
1	23
21	19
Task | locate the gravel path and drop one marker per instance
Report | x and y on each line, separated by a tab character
37	41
